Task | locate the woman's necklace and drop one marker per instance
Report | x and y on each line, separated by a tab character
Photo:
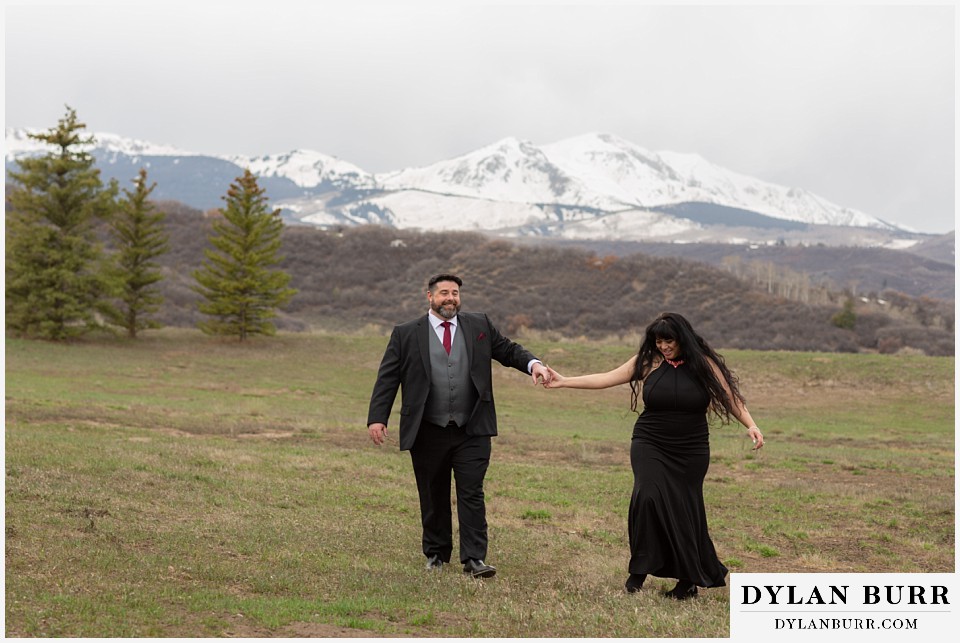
673	363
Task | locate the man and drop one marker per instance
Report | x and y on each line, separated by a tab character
442	362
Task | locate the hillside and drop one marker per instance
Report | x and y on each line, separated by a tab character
924	271
940	248
371	275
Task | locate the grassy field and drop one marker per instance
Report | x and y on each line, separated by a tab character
182	485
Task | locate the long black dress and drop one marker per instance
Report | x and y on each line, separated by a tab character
670	453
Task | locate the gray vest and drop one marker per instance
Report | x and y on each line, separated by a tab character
452	396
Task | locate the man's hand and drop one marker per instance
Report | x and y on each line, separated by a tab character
541	374
378	432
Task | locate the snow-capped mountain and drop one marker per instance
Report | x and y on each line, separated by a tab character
510	170
631	174
18	142
307	169
595	186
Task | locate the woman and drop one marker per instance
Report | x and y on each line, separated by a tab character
681	379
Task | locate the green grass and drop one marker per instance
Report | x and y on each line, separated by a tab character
182	485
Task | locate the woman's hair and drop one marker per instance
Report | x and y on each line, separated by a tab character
694	351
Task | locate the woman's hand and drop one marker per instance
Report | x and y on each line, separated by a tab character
756	436
555	381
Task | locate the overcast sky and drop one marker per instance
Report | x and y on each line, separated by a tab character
854	103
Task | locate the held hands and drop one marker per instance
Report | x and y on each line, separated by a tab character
555	380
541	374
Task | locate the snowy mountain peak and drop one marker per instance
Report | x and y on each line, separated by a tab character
618	168
511	170
631	174
306	168
510	146
136	147
19	142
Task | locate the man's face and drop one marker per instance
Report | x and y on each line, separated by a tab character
444	298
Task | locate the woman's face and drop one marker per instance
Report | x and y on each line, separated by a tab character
669	348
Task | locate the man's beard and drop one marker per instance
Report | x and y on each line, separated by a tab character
446	313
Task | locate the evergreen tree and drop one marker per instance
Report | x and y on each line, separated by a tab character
238	280
846	318
56	279
139	235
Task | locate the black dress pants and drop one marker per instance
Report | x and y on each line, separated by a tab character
437	452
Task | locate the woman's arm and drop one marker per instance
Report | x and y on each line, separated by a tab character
620	375
739	409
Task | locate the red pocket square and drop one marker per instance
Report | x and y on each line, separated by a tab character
481	336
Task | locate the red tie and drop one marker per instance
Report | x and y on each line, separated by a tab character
446	336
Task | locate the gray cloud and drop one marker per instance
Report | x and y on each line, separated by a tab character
853	103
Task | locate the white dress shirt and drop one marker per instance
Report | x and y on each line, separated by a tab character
435	321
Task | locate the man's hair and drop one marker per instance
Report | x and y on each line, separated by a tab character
434	280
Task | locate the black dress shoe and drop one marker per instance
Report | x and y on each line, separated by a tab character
635	583
478	569
682	591
434	562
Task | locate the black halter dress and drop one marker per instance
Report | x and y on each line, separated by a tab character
670	453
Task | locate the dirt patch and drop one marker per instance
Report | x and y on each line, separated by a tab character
241	627
267	435
175	433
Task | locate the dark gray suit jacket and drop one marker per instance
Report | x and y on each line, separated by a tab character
406	366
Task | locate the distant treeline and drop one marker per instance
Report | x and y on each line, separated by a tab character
356	278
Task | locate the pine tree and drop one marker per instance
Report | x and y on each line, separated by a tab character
846	318
56	279
238	280
139	236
